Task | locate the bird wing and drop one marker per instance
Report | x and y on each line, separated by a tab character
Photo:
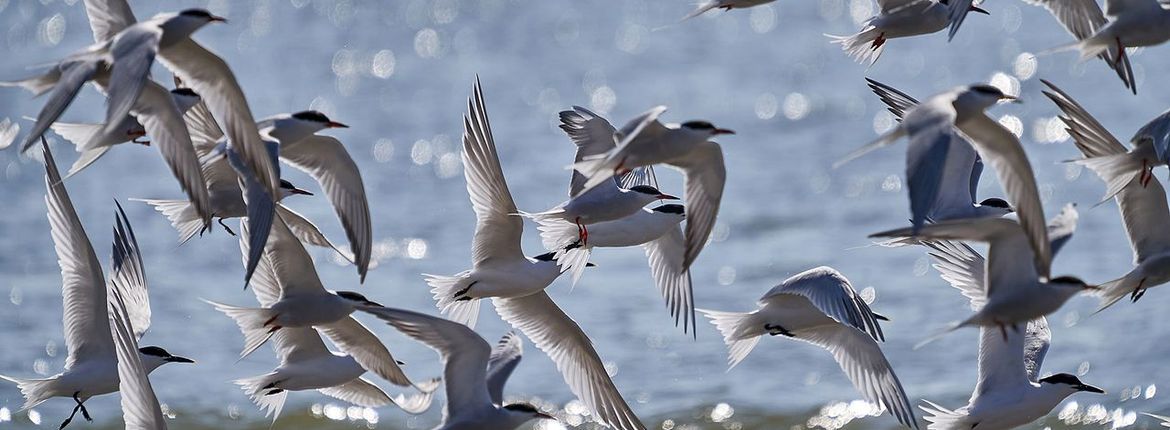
210	77
205	132
926	167
306	231
156	110
1155	133
498	229
465	355
552	331
326	160
956	13
356	340
359	392
893	6
1037	339
1001	361
505	357
1062	226
261	210
129	274
264	283
133	51
1090	137
665	255
897	102
1114	8
108	17
1080	17
705	175
599	168
961	267
290	262
87	328
140	408
830	292
591	134
72	76
866	366
298	345
1002	149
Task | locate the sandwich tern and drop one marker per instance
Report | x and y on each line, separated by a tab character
895	19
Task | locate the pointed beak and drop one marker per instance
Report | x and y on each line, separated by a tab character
374	304
218	19
300	191
1090	388
977	9
719	131
178	359
667	197
1011	99
335	124
544	416
1092	288
590	265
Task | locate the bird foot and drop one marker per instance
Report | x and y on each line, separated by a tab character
225	227
1138	292
459	295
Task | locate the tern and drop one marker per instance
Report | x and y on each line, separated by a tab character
93	143
1016	293
961	170
656	230
931	128
91	368
1131	24
474	373
291	296
516	284
140	408
1010	392
594	135
819	306
897	18
726	5
1142	201
686	147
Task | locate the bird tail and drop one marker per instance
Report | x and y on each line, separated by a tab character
1116	170
253	323
701	9
542	216
260	390
941	418
35	391
1111	292
564	237
419	402
444	289
77	133
861	47
741	332
182	215
939	335
37	85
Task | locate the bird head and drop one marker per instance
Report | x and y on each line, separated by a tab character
651	193
317	119
1072	283
288	189
185	98
153	357
671	209
705	128
357	298
1000	205
983	96
1069	382
527	411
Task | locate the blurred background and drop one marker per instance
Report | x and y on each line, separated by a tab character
399	73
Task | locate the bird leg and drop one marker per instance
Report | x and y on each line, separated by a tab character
225	227
460	295
878	42
1138	292
141	142
776	330
80	406
582	232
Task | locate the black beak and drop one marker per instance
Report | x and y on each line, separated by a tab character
719	131
300	191
375	304
1090	388
218	19
545	416
178	359
590	265
335	124
977	9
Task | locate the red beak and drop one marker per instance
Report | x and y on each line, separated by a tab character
719	131
667	197
334	124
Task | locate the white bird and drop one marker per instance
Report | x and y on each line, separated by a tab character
516	284
656	230
1010	392
612	200
91	367
686	147
896	19
306	364
1131	24
930	128
91	136
819	306
1144	211
726	5
140	408
295	298
474	373
1015	292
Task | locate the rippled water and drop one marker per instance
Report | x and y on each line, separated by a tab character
399	73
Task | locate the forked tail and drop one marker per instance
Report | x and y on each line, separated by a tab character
941	418
181	214
864	47
255	323
741	332
565	238
1116	170
35	391
269	398
450	293
1113	291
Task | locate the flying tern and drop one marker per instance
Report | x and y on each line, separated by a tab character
1131	24
726	5
91	368
1142	201
896	18
1010	392
516	284
686	147
140	408
819	306
474	373
930	128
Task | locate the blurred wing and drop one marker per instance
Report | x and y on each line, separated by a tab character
926	166
326	160
108	17
957	12
553	332
598	169
73	75
498	229
156	110
1002	149
129	275
1080	17
261	210
830	292
465	355
1091	138
140	408
866	366
1115	8
359	392
705	175
665	256
356	340
133	51
505	357
211	78
87	327
1062	226
205	132
1036	342
591	134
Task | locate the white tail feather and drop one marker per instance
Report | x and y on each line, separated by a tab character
740	332
443	288
941	418
419	402
35	391
76	133
860	46
1116	170
252	322
181	214
1111	292
562	236
271	404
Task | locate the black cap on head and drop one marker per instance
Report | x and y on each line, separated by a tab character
184	92
155	351
286	184
311	115
197	13
1072	381
987	89
995	202
645	189
1067	280
699	125
357	297
671	209
521	407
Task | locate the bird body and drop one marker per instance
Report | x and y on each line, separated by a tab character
896	19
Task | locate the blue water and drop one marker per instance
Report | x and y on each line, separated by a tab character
399	74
